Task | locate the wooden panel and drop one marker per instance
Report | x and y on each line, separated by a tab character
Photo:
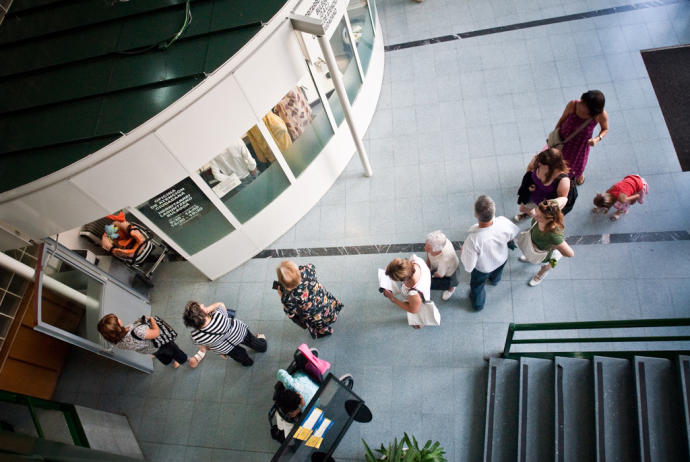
39	349
28	379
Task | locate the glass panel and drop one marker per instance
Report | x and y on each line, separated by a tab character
362	30
185	214
77	317
374	12
245	175
305	119
345	59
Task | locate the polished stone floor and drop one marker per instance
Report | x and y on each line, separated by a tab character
454	120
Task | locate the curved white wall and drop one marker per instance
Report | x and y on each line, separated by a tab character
175	143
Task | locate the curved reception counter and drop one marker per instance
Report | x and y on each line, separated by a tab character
231	165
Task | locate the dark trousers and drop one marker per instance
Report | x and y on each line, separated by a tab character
444	283
169	352
477	282
240	355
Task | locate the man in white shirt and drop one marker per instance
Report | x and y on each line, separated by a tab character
485	251
443	263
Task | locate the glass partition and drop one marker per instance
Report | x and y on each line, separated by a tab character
75	315
185	214
362	30
306	123
345	59
374	13
245	175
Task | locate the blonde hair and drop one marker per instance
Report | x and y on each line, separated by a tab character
288	274
400	269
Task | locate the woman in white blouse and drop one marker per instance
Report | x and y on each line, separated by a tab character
443	263
416	283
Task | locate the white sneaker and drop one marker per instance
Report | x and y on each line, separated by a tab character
446	294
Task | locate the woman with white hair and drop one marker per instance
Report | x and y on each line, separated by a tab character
443	263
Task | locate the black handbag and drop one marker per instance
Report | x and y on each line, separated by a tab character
167	333
572	194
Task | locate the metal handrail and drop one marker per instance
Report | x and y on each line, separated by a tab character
69	412
617	324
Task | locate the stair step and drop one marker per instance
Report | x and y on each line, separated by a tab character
614	397
500	432
658	411
684	368
574	416
536	407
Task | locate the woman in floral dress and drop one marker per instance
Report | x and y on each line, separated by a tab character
590	107
305	301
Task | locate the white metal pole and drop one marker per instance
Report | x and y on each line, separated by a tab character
344	101
26	272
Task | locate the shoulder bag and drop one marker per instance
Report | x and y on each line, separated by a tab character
572	194
167	333
532	253
553	140
428	314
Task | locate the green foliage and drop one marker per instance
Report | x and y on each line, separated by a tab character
406	450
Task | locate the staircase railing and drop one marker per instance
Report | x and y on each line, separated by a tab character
620	324
68	410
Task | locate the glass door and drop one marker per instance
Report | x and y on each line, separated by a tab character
72	295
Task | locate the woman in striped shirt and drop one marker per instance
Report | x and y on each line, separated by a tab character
213	329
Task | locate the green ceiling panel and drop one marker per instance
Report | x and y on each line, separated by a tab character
73	15
62	84
151	29
30	56
67	87
56	124
222	44
21	168
126	111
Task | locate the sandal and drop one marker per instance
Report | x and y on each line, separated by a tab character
523	259
580	180
617	216
536	279
197	359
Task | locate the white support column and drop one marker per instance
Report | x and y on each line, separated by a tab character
314	26
26	272
344	101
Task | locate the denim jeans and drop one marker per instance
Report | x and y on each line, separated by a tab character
477	282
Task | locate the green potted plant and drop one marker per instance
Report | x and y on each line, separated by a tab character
406	450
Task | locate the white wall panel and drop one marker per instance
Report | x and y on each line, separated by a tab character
131	176
52	210
203	130
225	255
272	70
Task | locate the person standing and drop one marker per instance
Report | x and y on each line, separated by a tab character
305	301
139	337
214	329
547	235
443	263
590	107
415	287
485	251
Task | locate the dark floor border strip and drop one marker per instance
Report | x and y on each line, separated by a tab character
535	23
583	239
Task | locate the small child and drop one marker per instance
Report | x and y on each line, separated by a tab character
621	196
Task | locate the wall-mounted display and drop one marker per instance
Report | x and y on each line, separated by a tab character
187	216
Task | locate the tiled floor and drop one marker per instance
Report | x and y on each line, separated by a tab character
454	120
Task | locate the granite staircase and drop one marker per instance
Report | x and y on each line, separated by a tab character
603	409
